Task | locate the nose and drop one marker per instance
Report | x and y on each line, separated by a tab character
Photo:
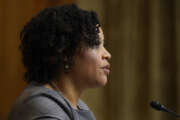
107	55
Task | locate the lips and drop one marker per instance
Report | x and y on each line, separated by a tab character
106	69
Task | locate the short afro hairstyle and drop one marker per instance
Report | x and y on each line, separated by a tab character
53	35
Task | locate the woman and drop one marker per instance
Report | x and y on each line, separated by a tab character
63	53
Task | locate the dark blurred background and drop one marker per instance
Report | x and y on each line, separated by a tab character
143	38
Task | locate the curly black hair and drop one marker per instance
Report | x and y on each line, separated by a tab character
52	35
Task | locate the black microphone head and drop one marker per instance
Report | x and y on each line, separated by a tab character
156	105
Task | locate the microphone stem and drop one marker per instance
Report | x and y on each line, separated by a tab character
171	112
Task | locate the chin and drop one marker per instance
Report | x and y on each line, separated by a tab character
98	82
102	82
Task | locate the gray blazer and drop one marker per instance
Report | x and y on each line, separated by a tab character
40	103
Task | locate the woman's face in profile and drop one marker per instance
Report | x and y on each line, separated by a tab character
91	65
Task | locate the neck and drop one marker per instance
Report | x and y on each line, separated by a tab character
69	89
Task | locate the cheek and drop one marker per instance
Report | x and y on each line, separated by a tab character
88	70
91	63
88	64
94	74
90	57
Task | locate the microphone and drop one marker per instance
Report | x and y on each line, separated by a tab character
157	106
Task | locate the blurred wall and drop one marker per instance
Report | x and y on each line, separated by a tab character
143	38
13	15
